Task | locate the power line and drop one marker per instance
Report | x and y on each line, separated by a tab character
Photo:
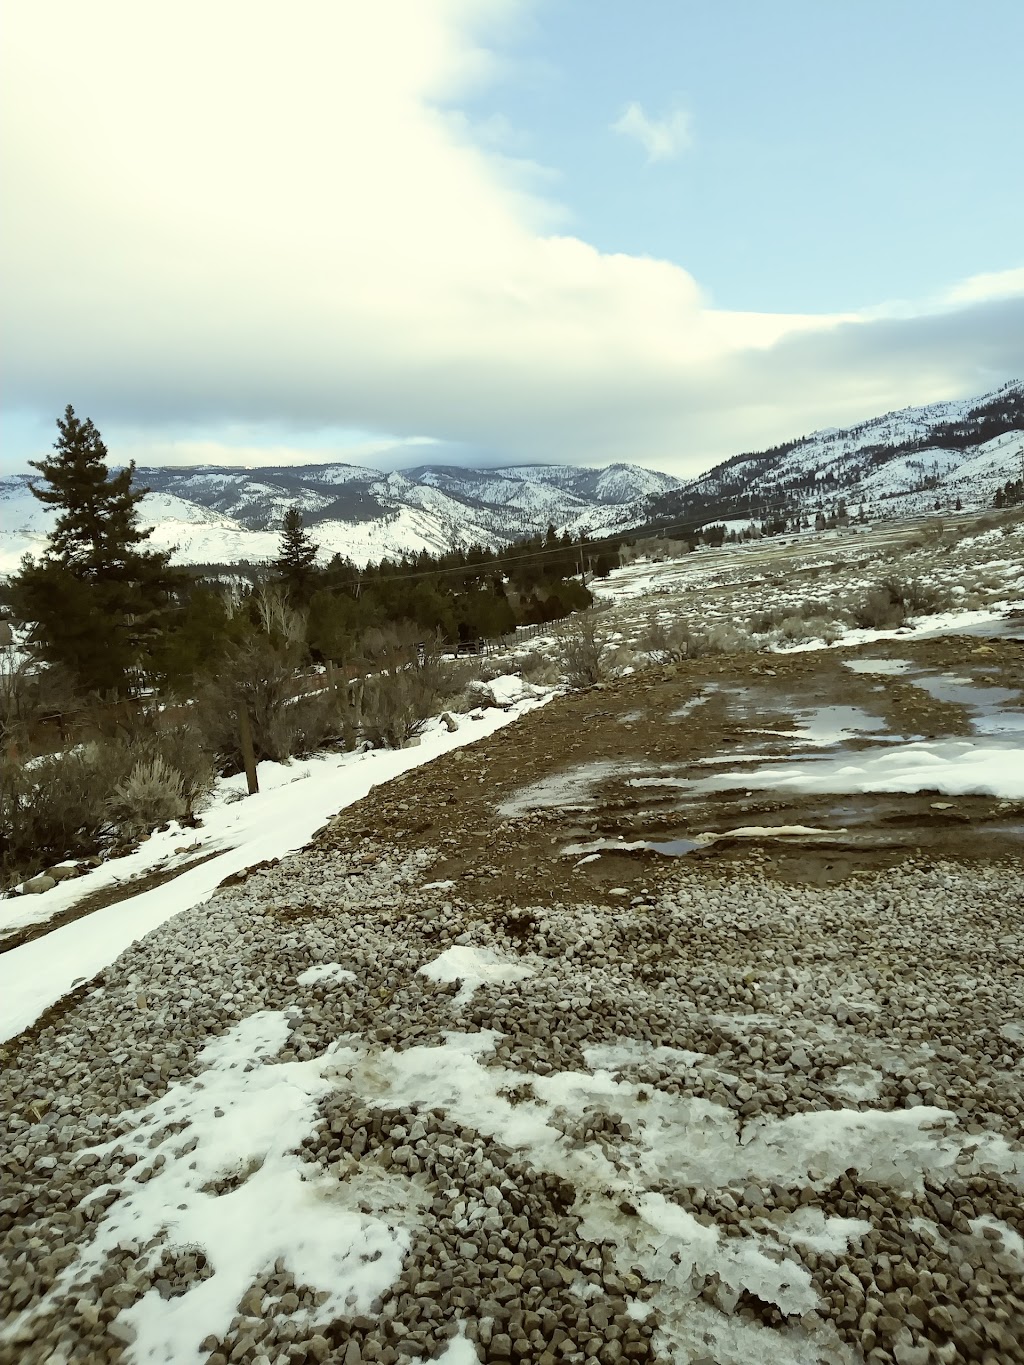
635	532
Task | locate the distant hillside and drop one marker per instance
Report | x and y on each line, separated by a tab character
903	463
900	464
225	515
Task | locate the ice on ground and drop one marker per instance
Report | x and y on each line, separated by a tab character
324	971
473	967
883	668
813	1229
1013	1242
625	1053
244	1119
954	767
567	790
688	707
858	1082
229	1182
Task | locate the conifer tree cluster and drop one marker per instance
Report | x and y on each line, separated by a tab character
98	599
115	614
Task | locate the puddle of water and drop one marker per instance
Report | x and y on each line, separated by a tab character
675	848
568	790
881	667
688	707
987	702
826	725
959	691
669	848
818	726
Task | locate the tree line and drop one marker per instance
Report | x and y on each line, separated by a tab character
119	618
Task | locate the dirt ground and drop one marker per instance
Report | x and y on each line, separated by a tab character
570	771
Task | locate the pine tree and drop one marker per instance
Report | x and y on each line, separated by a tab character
97	533
296	556
98	602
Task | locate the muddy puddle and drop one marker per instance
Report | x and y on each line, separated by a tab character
692	769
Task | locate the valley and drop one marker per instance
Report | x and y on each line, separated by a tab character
674	1018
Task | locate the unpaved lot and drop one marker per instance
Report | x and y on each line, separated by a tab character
464	1079
637	760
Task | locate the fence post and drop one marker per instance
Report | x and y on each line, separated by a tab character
245	740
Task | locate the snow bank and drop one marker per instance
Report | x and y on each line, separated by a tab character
294	801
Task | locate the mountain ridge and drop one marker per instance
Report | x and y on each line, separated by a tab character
900	463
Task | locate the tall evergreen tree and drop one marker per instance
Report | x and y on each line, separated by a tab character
296	556
98	601
97	534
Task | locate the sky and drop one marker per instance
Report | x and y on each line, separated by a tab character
503	231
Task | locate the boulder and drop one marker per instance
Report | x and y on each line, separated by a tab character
36	885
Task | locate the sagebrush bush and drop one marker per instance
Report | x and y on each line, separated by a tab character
878	611
667	643
725	638
49	810
75	803
396	706
583	651
782	618
537	668
889	604
798	628
152	794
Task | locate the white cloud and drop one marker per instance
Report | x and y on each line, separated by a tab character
231	216
994	284
661	138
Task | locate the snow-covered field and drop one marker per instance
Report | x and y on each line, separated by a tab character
294	800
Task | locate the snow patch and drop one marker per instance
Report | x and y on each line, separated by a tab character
473	967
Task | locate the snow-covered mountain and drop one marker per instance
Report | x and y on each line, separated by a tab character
222	515
900	464
903	463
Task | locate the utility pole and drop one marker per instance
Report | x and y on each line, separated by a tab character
245	743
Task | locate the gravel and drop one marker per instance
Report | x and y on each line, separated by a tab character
886	994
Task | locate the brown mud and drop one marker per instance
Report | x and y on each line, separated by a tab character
592	748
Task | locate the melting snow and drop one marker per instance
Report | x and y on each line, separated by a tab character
473	967
325	971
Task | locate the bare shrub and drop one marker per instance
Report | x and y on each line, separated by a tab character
797	628
583	651
666	643
878	611
916	597
725	638
396	706
261	675
72	804
889	605
537	668
152	794
34	703
317	721
49	811
782	618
